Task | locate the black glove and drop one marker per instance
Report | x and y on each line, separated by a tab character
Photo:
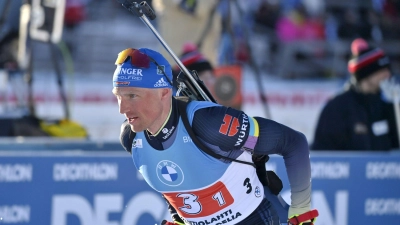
267	178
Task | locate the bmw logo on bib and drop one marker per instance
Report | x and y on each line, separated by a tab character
169	173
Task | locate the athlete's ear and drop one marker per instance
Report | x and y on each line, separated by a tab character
166	92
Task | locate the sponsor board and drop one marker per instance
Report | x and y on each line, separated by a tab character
87	189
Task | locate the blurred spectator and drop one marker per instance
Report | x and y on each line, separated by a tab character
75	13
390	19
358	118
9	33
193	59
234	15
354	24
267	14
301	43
296	25
225	47
263	40
226	91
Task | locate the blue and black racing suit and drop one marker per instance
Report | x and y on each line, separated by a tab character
204	190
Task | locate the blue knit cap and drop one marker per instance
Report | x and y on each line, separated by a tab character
128	75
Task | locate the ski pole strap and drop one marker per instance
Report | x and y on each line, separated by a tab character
299	219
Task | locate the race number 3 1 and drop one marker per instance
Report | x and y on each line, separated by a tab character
201	203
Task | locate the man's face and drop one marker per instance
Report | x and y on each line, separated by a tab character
371	83
141	106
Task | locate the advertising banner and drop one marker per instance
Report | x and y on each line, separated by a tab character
104	188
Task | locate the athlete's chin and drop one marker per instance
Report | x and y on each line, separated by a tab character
136	128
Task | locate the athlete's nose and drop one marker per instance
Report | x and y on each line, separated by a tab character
123	106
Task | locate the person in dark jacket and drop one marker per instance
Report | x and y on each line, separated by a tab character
359	118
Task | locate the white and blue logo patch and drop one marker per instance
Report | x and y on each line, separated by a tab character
160	70
161	83
257	192
137	143
169	173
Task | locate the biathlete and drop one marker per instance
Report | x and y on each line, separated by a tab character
199	188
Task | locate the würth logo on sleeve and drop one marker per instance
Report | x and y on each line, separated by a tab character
229	126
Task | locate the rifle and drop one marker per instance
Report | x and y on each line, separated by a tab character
189	83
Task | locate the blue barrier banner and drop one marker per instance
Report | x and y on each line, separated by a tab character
351	188
104	188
